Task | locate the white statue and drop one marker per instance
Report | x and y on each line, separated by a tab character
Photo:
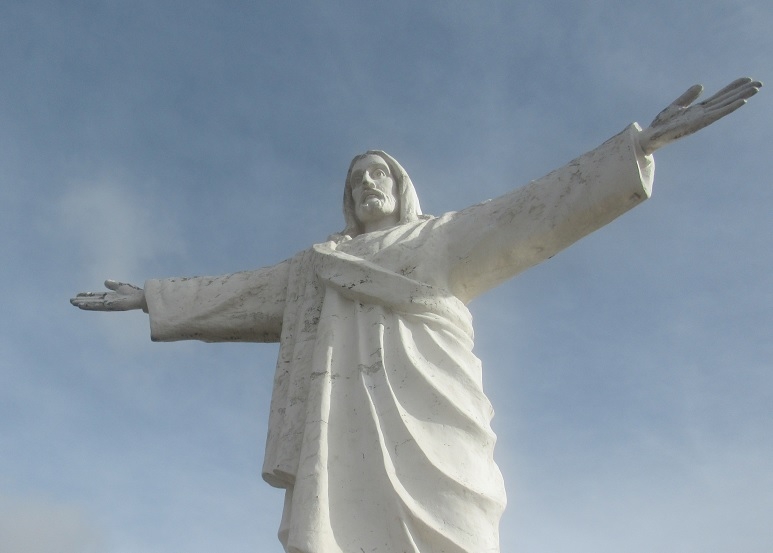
379	428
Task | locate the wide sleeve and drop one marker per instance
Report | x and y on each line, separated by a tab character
240	307
493	241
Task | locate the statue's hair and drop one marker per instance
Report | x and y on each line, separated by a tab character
408	201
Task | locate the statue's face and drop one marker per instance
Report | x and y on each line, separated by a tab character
374	192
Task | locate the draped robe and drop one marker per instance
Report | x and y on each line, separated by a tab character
379	430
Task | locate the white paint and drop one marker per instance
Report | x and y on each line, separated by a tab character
379	429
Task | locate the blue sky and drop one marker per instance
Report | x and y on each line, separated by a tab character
631	374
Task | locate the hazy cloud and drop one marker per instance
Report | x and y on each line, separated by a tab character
37	525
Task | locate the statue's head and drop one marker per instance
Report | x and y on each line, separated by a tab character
378	194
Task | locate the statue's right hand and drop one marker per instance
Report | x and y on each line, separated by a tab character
122	297
684	117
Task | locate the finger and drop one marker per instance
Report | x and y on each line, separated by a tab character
92	306
714	115
745	89
112	284
689	96
89	298
89	304
719	113
729	88
732	99
115	286
99	295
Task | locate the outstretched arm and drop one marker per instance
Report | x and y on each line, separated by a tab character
122	297
682	119
494	241
241	307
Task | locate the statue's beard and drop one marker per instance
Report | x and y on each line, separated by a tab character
376	206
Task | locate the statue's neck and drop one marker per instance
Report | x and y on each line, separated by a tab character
383	223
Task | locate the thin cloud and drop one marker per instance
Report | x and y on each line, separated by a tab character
116	231
116	234
37	525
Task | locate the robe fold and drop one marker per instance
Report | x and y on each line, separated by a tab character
379	428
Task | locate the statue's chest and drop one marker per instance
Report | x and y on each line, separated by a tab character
405	257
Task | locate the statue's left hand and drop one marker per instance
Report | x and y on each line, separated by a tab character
122	297
681	118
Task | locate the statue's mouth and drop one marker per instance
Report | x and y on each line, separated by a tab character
373	195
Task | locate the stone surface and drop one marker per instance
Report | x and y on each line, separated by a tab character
379	428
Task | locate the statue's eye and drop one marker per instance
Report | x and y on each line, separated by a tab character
379	173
